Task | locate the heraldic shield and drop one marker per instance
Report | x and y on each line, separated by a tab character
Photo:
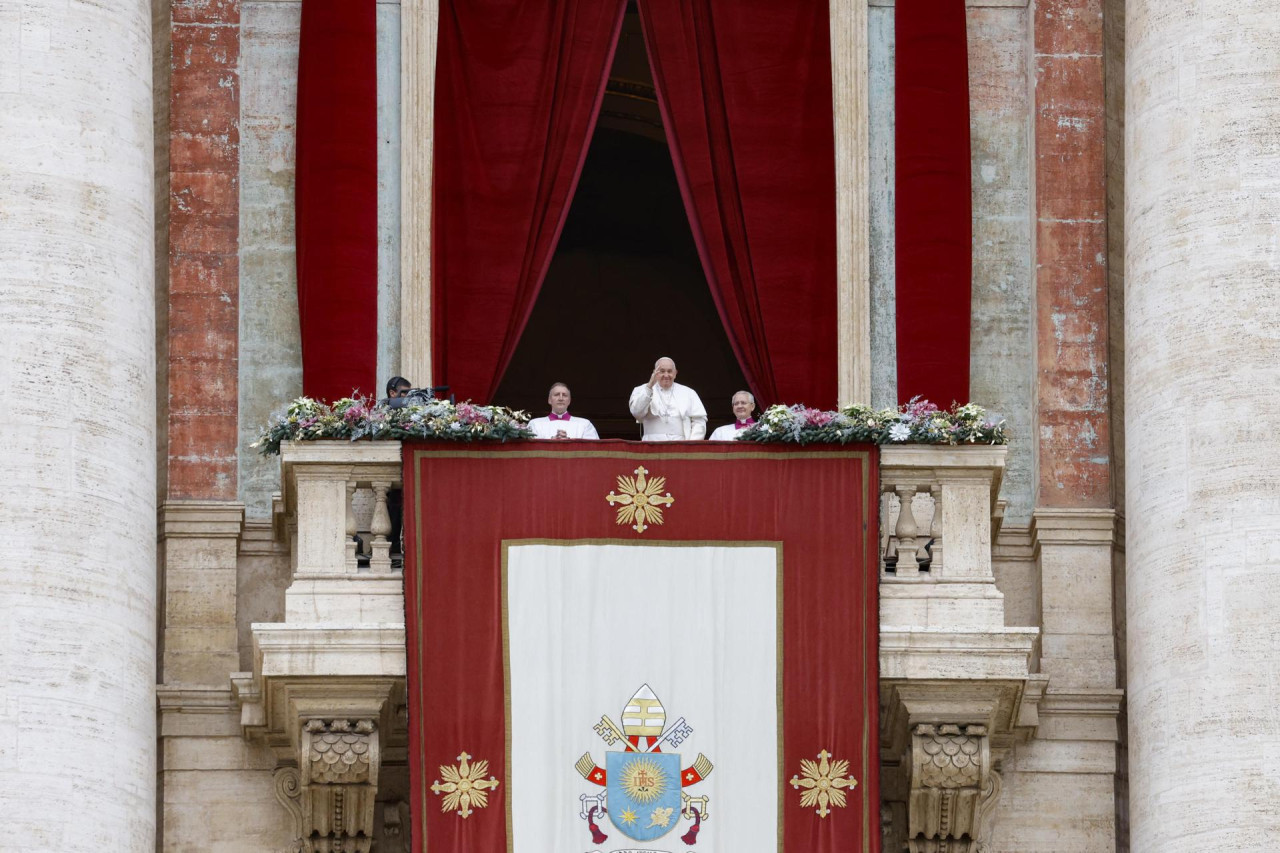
644	793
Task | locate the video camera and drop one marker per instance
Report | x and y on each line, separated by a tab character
419	397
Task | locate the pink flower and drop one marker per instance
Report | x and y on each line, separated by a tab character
469	414
818	418
917	408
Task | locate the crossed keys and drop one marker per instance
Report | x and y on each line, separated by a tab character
676	733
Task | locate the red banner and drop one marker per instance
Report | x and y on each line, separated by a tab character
709	612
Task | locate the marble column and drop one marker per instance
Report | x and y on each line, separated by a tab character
77	427
1202	400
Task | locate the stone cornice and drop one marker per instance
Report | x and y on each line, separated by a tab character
1099	702
190	698
201	519
1073	526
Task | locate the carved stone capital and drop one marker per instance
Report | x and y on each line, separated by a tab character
953	786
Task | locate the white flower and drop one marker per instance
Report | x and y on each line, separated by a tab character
899	432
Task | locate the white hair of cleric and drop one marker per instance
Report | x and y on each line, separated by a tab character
749	395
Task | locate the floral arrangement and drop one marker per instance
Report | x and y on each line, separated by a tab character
918	422
355	418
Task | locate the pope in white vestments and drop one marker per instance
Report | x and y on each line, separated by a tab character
668	410
744	403
559	424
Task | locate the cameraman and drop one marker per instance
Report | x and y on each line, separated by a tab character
397	389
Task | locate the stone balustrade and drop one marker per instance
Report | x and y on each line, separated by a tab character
939	512
334	491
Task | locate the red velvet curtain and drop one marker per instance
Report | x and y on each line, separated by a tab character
336	198
933	226
518	88
745	92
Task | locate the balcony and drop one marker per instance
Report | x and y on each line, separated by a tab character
956	685
327	690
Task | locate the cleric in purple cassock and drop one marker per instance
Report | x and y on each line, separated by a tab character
743	405
559	424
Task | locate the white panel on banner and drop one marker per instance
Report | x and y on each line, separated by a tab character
588	625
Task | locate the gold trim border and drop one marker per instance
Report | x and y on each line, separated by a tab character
870	495
779	574
535	453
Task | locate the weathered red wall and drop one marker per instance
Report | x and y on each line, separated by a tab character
204	297
1071	256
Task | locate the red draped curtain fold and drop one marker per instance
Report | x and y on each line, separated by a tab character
518	89
745	92
933	225
336	198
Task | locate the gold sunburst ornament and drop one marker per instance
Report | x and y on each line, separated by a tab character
641	501
820	783
464	786
643	781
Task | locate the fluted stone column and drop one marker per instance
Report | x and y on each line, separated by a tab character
1202	384
77	427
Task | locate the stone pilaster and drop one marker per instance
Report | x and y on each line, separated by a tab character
200	540
418	24
1073	550
1073	757
1073	419
851	104
77	416
1202	506
204	244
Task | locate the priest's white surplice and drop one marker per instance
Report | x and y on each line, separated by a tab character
575	427
672	414
728	432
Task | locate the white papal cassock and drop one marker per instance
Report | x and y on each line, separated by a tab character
673	414
574	427
729	432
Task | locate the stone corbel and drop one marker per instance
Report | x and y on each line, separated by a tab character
331	795
326	702
942	744
329	781
953	787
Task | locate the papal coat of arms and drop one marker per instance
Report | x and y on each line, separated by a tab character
644	787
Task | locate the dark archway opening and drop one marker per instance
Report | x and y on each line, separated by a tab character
625	285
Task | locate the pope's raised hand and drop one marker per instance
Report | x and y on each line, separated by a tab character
653	377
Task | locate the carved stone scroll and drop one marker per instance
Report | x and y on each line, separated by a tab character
951	785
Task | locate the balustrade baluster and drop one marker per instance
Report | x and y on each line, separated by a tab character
905	532
351	530
888	544
380	527
935	528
